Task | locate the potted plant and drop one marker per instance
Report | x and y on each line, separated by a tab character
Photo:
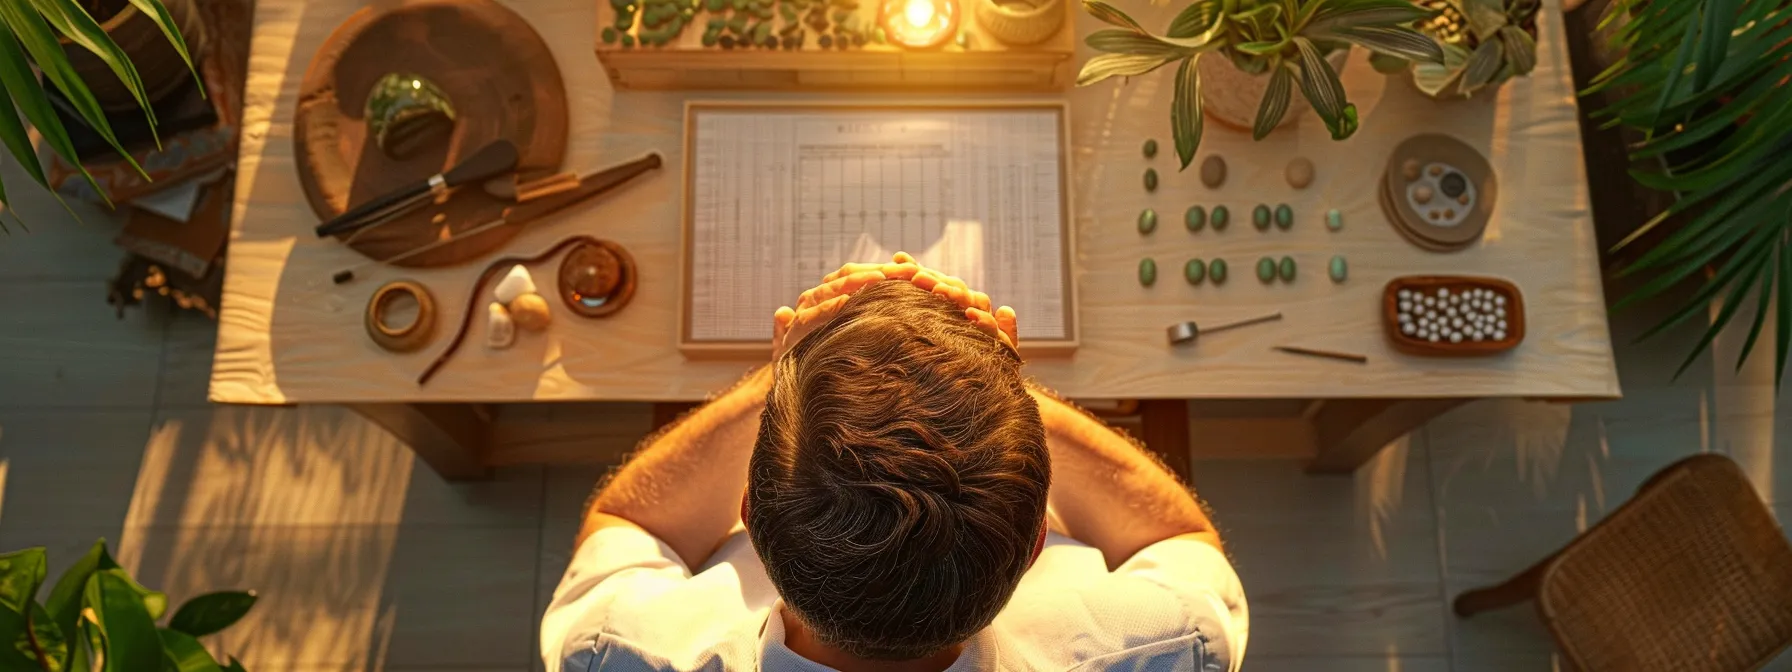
1485	43
1704	82
96	617
1264	47
40	35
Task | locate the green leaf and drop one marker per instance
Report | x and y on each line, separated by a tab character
1275	102
1714	40
1196	18
211	612
22	87
1521	49
1319	83
1434	79
1367	15
1732	302
159	14
65	597
1117	41
1683	54
21	572
34	33
1185	111
1482	65
1764	293
1388	65
234	666
185	653
45	641
1398	42
1111	14
1118	65
1485	18
1262	48
121	619
77	26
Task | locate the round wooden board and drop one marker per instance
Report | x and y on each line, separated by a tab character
1435	148
502	81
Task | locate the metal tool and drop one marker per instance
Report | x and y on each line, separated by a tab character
523	213
490	161
1328	354
1186	332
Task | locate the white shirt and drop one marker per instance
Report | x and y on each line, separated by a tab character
628	603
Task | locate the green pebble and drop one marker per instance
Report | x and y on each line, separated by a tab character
710	37
1284	216
1266	269
1287	269
1221	217
1150	148
1334	220
1195	270
1260	217
1216	271
1338	270
877	35
1150	179
610	35
1195	218
1147	221
628	40
1147	271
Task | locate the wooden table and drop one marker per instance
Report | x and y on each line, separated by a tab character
287	335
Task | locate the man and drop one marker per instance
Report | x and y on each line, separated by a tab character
890	495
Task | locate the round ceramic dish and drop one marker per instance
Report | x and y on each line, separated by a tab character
1020	24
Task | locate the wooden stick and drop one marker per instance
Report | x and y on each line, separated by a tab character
1345	356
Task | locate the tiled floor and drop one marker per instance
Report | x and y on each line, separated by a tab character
367	561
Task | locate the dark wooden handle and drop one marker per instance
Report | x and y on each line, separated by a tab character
364	214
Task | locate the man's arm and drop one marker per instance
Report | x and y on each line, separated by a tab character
685	486
1107	492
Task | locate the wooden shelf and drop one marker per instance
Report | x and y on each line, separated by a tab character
984	63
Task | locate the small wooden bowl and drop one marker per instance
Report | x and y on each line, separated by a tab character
1429	284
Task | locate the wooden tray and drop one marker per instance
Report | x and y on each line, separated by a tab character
502	81
1390	311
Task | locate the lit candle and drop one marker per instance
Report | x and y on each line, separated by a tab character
919	23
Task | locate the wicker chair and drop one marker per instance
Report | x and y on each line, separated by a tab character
1690	574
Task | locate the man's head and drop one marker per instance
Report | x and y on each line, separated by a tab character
898	485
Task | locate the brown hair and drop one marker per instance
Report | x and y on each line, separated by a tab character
899	481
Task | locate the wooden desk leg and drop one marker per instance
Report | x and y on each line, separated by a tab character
1350	431
1165	429
451	438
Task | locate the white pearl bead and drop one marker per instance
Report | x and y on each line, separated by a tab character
1451	311
1407	329
1500	325
1456	337
1443	292
1499	300
1405	318
1405	306
1456	322
1499	334
1430	301
1405	294
1432	337
1499	312
1477	335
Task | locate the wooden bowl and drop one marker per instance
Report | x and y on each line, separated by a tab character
1429	284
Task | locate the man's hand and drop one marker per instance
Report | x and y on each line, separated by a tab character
821	303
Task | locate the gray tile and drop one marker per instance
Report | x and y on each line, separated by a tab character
54	244
187	352
1375	593
69	467
1392	662
386	596
310	465
62	346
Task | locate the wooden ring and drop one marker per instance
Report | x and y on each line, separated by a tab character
411	336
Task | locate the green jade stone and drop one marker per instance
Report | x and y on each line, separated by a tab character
1260	217
1266	270
1334	220
1221	217
1147	271
1195	218
1216	271
1195	270
1150	148
1338	270
1150	179
610	35
1284	216
1287	269
1147	221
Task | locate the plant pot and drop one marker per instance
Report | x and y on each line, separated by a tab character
158	63
1232	96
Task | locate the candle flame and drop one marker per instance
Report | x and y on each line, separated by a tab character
918	12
